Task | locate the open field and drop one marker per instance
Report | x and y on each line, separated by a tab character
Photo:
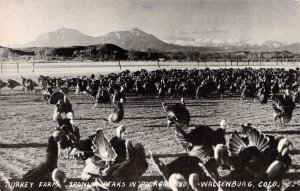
73	69
26	122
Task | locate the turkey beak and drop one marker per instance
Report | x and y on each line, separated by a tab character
286	147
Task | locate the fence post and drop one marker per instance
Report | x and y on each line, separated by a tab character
33	67
17	67
158	64
120	64
1	66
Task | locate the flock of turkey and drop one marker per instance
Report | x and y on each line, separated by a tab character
249	155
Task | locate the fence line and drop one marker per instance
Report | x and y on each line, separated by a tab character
158	64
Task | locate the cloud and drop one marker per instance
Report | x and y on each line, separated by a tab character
205	42
201	32
197	37
201	37
216	42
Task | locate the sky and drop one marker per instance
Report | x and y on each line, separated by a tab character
185	22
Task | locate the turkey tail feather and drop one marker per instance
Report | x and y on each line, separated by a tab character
103	148
236	144
203	152
257	139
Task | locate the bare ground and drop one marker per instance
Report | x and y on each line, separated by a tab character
26	123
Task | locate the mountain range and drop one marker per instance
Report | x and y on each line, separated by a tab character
136	39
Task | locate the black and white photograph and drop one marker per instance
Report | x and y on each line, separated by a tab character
150	95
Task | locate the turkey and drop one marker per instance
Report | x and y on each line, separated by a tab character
184	167
118	114
102	96
177	114
118	144
28	84
257	157
60	178
43	172
127	171
283	106
202	135
263	95
12	84
2	85
46	94
62	105
103	156
275	156
69	127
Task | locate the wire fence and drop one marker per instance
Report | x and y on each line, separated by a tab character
14	70
21	67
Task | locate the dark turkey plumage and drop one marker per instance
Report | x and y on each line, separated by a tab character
283	106
43	172
177	114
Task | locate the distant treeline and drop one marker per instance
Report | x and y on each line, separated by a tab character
110	52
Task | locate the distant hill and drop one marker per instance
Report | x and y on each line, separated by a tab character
111	52
295	48
93	52
135	44
136	39
62	38
131	39
10	53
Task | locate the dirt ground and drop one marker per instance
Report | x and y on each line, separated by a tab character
26	123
